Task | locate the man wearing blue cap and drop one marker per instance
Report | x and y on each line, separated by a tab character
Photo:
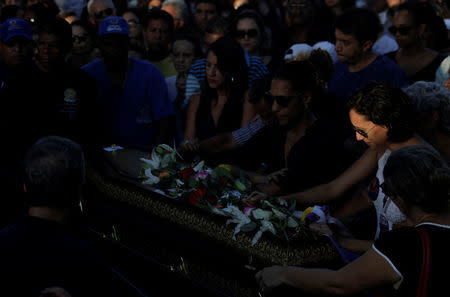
15	47
135	109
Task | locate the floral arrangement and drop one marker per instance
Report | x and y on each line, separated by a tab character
217	190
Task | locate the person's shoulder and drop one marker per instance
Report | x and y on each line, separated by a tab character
92	65
383	61
199	63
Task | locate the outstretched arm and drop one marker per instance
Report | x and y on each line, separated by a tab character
369	271
325	193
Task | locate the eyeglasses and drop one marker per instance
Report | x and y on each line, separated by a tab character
362	132
252	33
404	30
81	37
103	13
282	101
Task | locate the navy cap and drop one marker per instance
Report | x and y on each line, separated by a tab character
15	27
113	25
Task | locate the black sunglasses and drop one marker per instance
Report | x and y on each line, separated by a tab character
282	101
402	30
252	33
104	13
81	37
362	132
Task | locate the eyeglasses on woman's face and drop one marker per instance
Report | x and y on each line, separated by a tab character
362	132
103	13
251	33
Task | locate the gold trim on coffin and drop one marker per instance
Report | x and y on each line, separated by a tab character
268	250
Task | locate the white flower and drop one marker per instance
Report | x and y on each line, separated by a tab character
278	213
152	164
179	182
151	179
260	214
237	217
199	166
166	147
265	226
292	223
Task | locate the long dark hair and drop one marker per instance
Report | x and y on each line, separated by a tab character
232	64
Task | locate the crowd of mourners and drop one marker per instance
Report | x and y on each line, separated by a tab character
340	103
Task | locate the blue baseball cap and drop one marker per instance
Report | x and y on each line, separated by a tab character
15	27
113	25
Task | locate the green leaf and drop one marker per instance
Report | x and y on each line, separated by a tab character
221	172
249	227
192	183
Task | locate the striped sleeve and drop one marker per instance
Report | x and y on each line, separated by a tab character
194	79
244	134
257	69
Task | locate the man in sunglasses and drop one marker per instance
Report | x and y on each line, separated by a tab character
15	47
100	9
357	29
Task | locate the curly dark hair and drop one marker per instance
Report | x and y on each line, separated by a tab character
385	105
420	176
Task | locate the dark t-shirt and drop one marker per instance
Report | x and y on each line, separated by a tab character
37	253
428	73
54	103
402	247
316	158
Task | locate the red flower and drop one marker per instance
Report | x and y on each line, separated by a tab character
222	181
186	173
194	196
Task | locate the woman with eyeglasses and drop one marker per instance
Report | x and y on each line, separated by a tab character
409	261
411	23
382	117
83	47
221	105
248	29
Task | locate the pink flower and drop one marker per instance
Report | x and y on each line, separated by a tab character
248	210
201	175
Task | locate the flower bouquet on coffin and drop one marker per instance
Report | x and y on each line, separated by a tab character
217	190
195	183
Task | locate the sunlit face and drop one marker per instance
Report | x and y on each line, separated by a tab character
373	135
183	55
293	108
80	40
347	48
203	13
214	77
248	35
173	11
99	11
407	34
